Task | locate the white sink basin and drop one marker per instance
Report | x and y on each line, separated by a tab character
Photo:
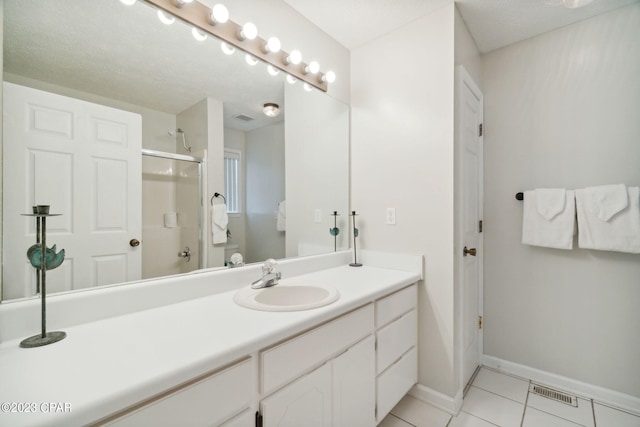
286	297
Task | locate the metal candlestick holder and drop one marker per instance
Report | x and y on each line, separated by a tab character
43	259
335	230
355	262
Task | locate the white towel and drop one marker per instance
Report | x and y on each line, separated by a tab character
281	218
548	218
219	221
620	231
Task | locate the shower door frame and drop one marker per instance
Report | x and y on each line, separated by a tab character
200	161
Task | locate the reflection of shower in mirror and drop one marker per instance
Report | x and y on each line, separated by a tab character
184	141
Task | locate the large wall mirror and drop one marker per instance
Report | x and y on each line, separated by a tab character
78	74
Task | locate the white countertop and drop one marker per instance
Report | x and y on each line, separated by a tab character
106	365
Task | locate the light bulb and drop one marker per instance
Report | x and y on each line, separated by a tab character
307	87
271	110
180	3
272	45
291	79
219	14
248	32
227	48
312	68
295	57
250	60
165	19
198	35
272	70
128	2
328	77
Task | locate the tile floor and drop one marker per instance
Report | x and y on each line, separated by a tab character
495	399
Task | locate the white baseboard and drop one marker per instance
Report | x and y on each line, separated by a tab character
597	393
442	401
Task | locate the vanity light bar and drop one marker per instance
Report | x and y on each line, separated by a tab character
198	15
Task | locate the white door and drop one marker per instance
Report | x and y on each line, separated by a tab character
83	160
471	193
305	402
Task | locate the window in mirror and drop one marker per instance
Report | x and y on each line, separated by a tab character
232	175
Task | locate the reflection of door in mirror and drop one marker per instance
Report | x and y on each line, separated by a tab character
83	160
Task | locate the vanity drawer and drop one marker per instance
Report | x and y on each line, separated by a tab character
206	402
395	382
294	357
395	339
395	305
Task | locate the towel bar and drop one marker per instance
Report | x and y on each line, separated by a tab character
218	195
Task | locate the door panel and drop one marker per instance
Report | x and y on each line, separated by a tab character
471	201
84	160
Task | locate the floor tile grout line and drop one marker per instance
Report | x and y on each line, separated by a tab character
499	395
480	418
402	419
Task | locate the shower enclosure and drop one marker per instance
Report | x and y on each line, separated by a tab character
172	214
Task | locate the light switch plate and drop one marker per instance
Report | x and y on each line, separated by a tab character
391	216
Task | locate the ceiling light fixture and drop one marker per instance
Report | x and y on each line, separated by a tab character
128	2
574	4
219	14
209	21
270	109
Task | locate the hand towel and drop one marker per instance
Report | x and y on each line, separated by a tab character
620	232
607	200
281	219
219	221
548	218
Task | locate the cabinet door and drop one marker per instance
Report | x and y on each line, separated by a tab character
354	386
305	402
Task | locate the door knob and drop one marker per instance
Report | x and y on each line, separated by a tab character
467	251
134	242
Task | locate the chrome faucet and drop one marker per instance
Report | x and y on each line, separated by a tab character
270	277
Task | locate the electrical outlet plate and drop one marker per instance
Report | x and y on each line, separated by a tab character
317	216
391	216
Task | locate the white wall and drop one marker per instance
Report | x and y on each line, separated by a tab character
562	110
402	157
317	170
466	51
265	176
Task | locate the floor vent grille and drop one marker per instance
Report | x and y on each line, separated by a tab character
552	394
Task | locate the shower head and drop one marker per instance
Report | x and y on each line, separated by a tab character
184	140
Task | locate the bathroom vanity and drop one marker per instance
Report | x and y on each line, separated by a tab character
210	361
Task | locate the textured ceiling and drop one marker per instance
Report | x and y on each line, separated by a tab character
125	53
492	23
